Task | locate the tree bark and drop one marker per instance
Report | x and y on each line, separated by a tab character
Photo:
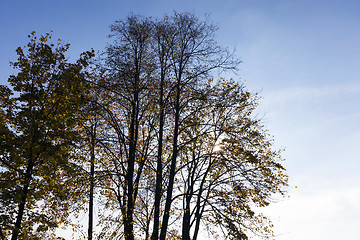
129	222
92	180
173	164
159	167
24	192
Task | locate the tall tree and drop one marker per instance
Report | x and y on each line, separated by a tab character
164	40
179	146
89	149
194	56
176	151
128	90
41	122
229	166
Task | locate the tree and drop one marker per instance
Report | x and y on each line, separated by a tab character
166	123
172	147
40	122
126	106
194	55
184	54
229	166
164	41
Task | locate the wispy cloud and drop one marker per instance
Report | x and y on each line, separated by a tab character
308	93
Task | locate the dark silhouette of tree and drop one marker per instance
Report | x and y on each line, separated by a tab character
168	120
128	79
167	146
40	124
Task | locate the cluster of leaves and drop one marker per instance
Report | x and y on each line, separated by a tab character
37	130
168	151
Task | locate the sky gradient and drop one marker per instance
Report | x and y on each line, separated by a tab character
303	57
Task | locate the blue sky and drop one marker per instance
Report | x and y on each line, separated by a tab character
302	56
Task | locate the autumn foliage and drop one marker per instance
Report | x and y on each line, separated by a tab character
150	133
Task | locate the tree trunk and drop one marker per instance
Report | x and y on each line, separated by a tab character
186	220
129	221
189	194
200	208
24	192
173	165
92	180
159	168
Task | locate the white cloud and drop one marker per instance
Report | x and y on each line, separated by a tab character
324	214
319	128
